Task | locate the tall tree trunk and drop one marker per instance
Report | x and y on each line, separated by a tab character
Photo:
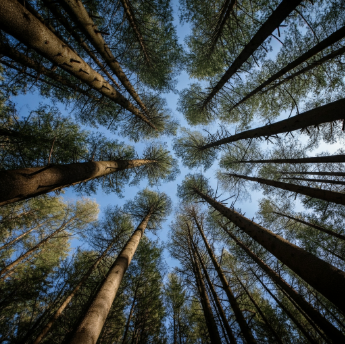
273	21
329	329
68	299
327	42
35	248
205	302
322	114
232	299
325	278
314	159
216	300
21	24
79	14
337	174
130	316
90	327
330	196
321	229
337	182
17	185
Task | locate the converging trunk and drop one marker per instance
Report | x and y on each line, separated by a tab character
337	174
17	185
337	182
314	159
325	278
91	325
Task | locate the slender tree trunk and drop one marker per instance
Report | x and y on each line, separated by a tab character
17	185
218	304
79	14
337	174
233	302
329	329
321	229
326	195
35	248
325	278
289	314
92	323
129	317
327	42
274	20
315	159
21	24
322	114
337	182
68	299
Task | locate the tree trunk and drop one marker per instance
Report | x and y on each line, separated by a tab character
337	182
21	24
216	300
273	21
322	229
327	42
79	14
325	278
17	185
329	196
322	114
35	248
57	314
315	159
129	317
329	329
92	323
337	174
232	299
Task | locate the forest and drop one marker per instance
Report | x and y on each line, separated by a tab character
172	171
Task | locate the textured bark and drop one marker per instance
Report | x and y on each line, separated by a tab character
323	114
338	182
79	14
274	20
322	229
216	300
314	159
338	174
329	196
329	329
246	332
17	185
21	24
323	277
92	323
68	299
327	42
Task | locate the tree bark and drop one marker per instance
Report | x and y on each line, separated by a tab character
329	329
322	114
129	317
246	331
17	185
327	42
68	299
79	14
91	325
338	174
315	159
337	182
329	196
322	229
21	24
325	278
274	20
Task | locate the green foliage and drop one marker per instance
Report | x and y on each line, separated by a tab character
186	191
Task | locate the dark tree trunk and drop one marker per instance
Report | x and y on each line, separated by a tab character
315	159
337	182
329	196
328	328
337	174
322	114
17	185
327	42
129	317
321	229
275	19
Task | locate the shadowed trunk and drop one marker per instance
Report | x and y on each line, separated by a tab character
322	114
21	24
329	196
130	317
329	329
232	299
322	229
273	21
337	182
17	185
327	42
92	323
338	174
315	159
325	278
